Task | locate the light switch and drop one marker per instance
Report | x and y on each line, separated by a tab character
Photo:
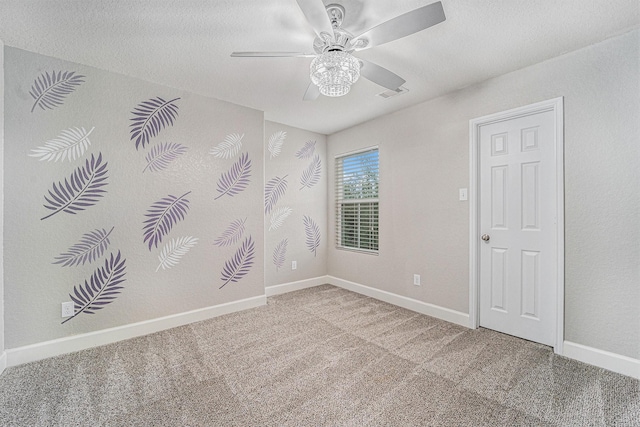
463	194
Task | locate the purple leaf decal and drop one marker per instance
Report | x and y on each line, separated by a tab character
161	217
312	231
81	190
174	251
161	155
90	247
274	189
238	266
232	234
236	179
311	174
150	117
280	253
307	150
102	288
50	90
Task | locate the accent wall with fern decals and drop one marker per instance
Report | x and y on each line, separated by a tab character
295	204
131	200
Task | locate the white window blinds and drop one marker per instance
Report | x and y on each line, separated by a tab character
357	177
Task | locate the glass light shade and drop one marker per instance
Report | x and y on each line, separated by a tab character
334	72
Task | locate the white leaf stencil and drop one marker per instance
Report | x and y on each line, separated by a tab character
70	145
229	147
275	143
173	251
278	216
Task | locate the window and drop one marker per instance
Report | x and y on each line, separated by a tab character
357	201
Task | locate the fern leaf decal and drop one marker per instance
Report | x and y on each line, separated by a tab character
90	247
278	216
312	231
311	175
50	90
161	217
102	288
81	190
274	189
150	117
229	147
236	179
238	266
174	251
307	150
70	144
280	253
161	155
275	143
232	234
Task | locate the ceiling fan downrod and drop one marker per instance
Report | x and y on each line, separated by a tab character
340	39
336	15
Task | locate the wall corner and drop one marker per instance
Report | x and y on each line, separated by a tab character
3	356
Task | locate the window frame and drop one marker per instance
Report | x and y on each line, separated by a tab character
340	202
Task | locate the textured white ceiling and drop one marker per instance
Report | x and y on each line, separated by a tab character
186	44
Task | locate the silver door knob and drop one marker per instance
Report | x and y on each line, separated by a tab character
485	237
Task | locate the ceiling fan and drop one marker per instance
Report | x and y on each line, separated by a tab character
334	68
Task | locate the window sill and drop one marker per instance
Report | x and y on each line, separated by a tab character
361	251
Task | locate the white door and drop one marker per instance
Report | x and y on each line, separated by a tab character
518	226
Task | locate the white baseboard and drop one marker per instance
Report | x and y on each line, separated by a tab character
11	357
3	357
30	353
296	286
603	359
443	313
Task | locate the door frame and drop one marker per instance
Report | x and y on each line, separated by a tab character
555	105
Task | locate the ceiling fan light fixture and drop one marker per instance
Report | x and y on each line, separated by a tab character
334	72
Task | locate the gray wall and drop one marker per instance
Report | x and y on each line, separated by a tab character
36	285
424	160
424	228
292	158
1	198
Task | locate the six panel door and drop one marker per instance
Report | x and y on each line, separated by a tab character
518	221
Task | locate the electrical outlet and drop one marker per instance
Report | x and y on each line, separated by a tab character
67	309
416	279
294	265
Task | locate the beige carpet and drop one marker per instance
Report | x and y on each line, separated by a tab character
321	356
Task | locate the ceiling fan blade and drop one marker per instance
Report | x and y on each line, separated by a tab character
380	75
316	14
403	25
271	55
312	93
